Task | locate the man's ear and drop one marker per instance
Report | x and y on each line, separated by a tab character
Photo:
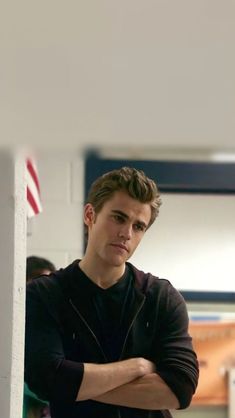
89	214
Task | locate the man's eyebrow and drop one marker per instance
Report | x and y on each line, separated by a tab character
119	212
124	215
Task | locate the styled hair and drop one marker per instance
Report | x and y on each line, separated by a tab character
128	179
35	265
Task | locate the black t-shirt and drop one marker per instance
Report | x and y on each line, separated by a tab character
111	308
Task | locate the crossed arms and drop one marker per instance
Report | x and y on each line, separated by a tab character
132	383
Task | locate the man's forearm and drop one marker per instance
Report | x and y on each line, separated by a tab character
147	392
101	378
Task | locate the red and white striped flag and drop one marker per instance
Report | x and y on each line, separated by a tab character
33	189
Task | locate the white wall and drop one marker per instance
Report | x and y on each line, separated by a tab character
161	72
57	232
192	242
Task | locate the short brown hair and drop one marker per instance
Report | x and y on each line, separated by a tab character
133	181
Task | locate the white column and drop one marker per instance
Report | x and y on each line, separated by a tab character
12	280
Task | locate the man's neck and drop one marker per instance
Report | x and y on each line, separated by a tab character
103	275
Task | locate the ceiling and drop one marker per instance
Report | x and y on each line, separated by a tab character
128	73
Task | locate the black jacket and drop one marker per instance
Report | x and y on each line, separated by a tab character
59	340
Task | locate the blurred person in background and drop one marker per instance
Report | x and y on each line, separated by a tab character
34	407
36	266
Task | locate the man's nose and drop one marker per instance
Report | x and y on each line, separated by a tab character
125	232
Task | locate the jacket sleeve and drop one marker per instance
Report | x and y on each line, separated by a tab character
176	359
47	372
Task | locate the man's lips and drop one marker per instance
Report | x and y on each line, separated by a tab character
121	246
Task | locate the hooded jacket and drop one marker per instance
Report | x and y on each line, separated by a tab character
59	340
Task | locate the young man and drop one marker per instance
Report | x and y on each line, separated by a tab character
104	339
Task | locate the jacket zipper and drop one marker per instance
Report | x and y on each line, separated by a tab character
131	324
86	324
128	331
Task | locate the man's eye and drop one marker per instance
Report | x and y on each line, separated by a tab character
118	218
139	227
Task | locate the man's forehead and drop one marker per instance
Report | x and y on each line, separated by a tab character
124	204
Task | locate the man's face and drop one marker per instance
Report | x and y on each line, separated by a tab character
115	232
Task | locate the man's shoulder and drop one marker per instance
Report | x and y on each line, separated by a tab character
50	293
147	280
54	285
153	285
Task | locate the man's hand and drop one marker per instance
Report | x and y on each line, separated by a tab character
147	366
101	378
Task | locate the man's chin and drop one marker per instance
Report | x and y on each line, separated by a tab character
117	261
